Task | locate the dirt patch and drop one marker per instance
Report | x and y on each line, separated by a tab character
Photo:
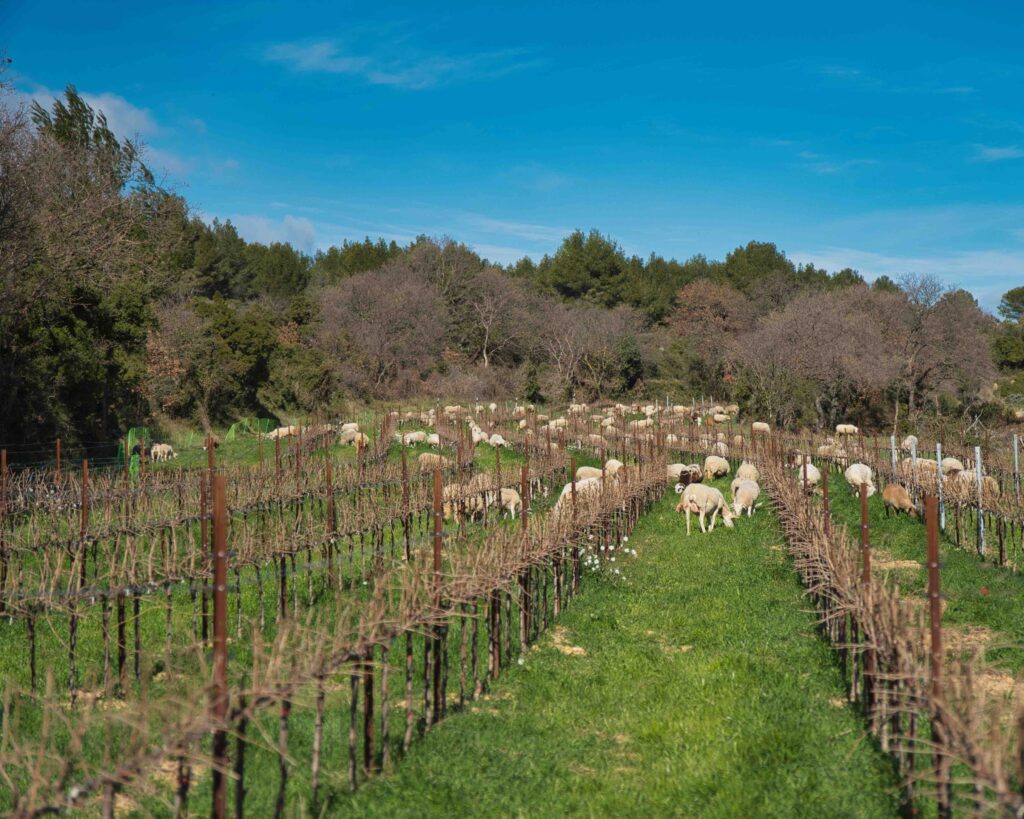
895	565
837	702
96	698
998	685
966	639
560	640
581	770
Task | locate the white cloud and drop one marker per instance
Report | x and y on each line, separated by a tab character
408	69
500	254
125	120
996	153
296	230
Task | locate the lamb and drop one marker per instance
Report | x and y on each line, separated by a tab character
585	472
431	460
744	496
492	407
496	441
715	466
846	429
510	501
748	472
812	472
858	475
897	499
701	500
760	427
909	444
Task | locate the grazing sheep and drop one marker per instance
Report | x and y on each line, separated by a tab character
812	472
352	426
744	496
584	472
510	501
846	429
353	438
720	418
523	424
720	448
431	460
588	486
897	499
612	466
909	444
479	436
733	409
492	407
282	432
858	475
700	500
748	472
685	474
596	440
923	468
715	466
760	427
433	439
496	441
162	452
410	438
951	466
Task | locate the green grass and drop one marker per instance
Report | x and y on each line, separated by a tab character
977	592
746	721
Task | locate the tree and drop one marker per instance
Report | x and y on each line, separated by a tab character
589	267
1011	307
499	308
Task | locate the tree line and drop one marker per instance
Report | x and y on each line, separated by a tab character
119	306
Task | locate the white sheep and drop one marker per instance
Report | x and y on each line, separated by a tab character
162	452
846	429
951	466
510	501
496	441
612	466
588	486
433	439
282	432
858	475
744	496
418	437
720	448
811	471
715	466
748	472
584	472
351	426
909	444
760	427
431	460
701	500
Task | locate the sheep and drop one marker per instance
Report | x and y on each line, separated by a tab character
897	499
523	424
510	501
519	411
760	427
497	441
701	500
951	466
612	466
479	436
584	472
431	460
748	472
744	496
282	432
596	440
433	439
715	466
919	467
733	409
685	474
353	438
846	429
858	475
909	444
588	486
351	426
737	441
812	472
162	452
608	422
720	448
492	407
418	437
721	418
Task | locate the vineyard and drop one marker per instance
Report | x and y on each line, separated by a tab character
166	632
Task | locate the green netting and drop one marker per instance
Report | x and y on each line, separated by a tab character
135	435
249	426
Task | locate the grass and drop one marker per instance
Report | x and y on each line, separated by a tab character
977	593
703	691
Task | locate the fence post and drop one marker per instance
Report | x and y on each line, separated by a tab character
865	550
525	611
824	498
936	656
981	505
575	538
219	692
892	452
913	467
204	616
438	535
277	457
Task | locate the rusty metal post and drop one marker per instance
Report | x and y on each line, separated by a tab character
219	691
826	520
575	540
406	522
936	656
865	549
204	505
438	537
525	611
277	457
209	454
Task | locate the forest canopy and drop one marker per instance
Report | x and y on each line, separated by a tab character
119	306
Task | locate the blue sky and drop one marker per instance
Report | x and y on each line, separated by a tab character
886	137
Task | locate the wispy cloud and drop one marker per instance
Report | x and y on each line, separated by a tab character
521	230
411	69
296	230
997	153
817	163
